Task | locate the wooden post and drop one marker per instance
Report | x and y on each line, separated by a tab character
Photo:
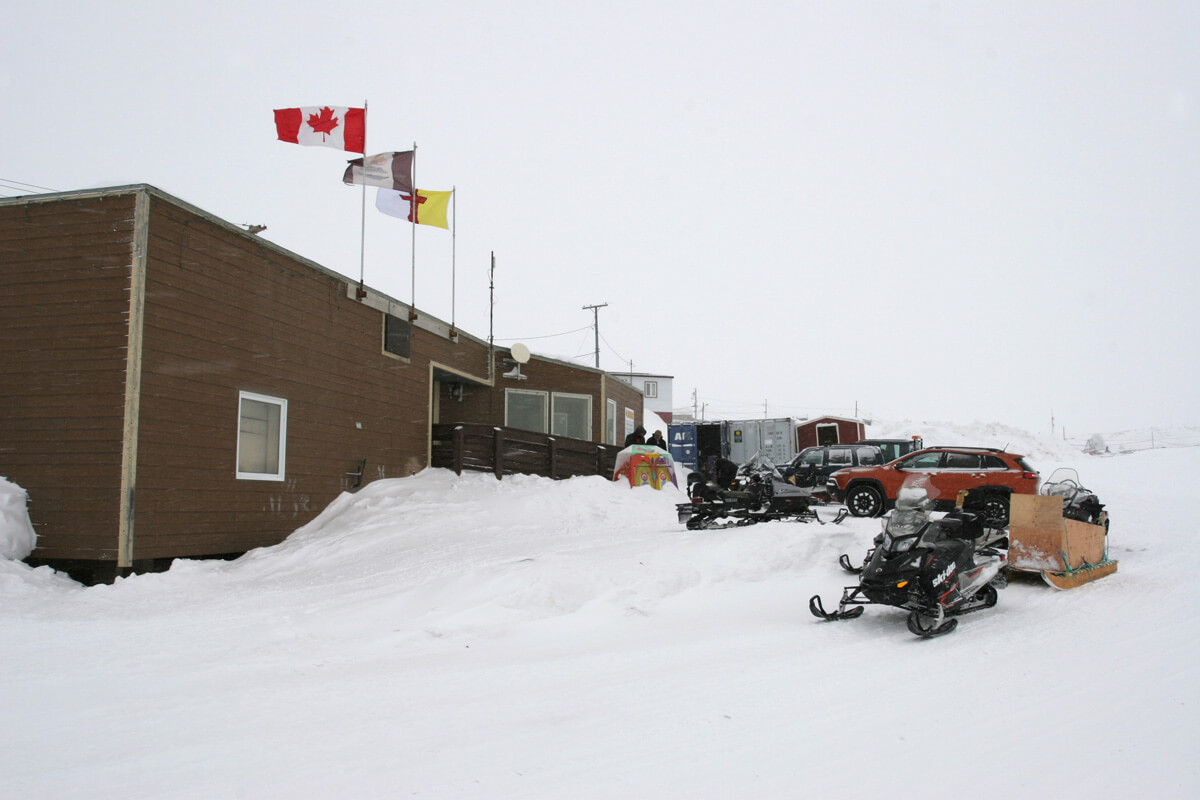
552	457
459	440
498	452
600	460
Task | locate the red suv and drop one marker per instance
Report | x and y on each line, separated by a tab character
942	472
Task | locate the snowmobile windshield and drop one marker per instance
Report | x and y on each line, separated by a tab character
903	527
906	522
914	496
1063	474
1064	482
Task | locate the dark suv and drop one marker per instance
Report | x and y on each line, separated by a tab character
894	448
943	472
815	464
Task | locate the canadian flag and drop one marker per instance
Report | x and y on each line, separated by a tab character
326	126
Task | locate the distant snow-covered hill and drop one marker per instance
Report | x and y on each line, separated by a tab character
1041	450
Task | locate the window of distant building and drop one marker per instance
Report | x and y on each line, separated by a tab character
651	389
262	437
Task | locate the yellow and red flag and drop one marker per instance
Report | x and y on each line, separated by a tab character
430	207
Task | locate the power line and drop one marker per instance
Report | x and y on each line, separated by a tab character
21	184
548	336
620	358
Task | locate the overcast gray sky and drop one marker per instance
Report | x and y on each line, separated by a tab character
980	211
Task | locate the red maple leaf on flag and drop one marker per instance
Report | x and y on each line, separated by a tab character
325	122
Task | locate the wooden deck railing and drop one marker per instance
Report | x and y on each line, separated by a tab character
510	451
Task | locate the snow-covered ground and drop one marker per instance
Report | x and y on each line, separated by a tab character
444	636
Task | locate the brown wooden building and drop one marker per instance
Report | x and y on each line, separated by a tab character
829	430
173	386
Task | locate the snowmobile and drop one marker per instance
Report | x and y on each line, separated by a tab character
935	569
725	497
991	533
1078	503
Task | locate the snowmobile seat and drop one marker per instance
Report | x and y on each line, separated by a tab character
963	525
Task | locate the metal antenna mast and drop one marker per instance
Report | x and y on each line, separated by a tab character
596	325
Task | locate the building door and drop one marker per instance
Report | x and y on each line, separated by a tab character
827	433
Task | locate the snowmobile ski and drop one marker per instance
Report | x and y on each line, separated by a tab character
917	625
818	610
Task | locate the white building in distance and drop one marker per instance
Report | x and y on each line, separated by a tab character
655	388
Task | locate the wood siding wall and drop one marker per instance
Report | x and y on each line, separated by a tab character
627	397
64	315
224	312
227	314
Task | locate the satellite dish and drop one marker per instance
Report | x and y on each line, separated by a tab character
520	353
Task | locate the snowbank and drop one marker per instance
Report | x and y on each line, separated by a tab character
446	635
17	538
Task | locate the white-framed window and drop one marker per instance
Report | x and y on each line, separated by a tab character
610	422
651	389
525	409
262	437
571	415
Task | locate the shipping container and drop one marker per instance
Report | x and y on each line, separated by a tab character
693	443
774	439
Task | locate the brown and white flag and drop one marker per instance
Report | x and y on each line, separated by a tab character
385	170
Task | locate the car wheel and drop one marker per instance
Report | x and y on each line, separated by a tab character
864	501
995	510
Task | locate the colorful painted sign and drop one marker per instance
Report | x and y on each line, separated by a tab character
645	465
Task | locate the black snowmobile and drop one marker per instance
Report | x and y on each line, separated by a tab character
933	568
1078	503
725	496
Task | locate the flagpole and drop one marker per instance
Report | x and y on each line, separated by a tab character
412	308
453	265
362	234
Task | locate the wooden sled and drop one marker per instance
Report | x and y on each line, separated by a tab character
1066	552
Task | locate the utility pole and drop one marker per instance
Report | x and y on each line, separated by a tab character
596	325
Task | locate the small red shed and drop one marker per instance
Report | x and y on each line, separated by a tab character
829	430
